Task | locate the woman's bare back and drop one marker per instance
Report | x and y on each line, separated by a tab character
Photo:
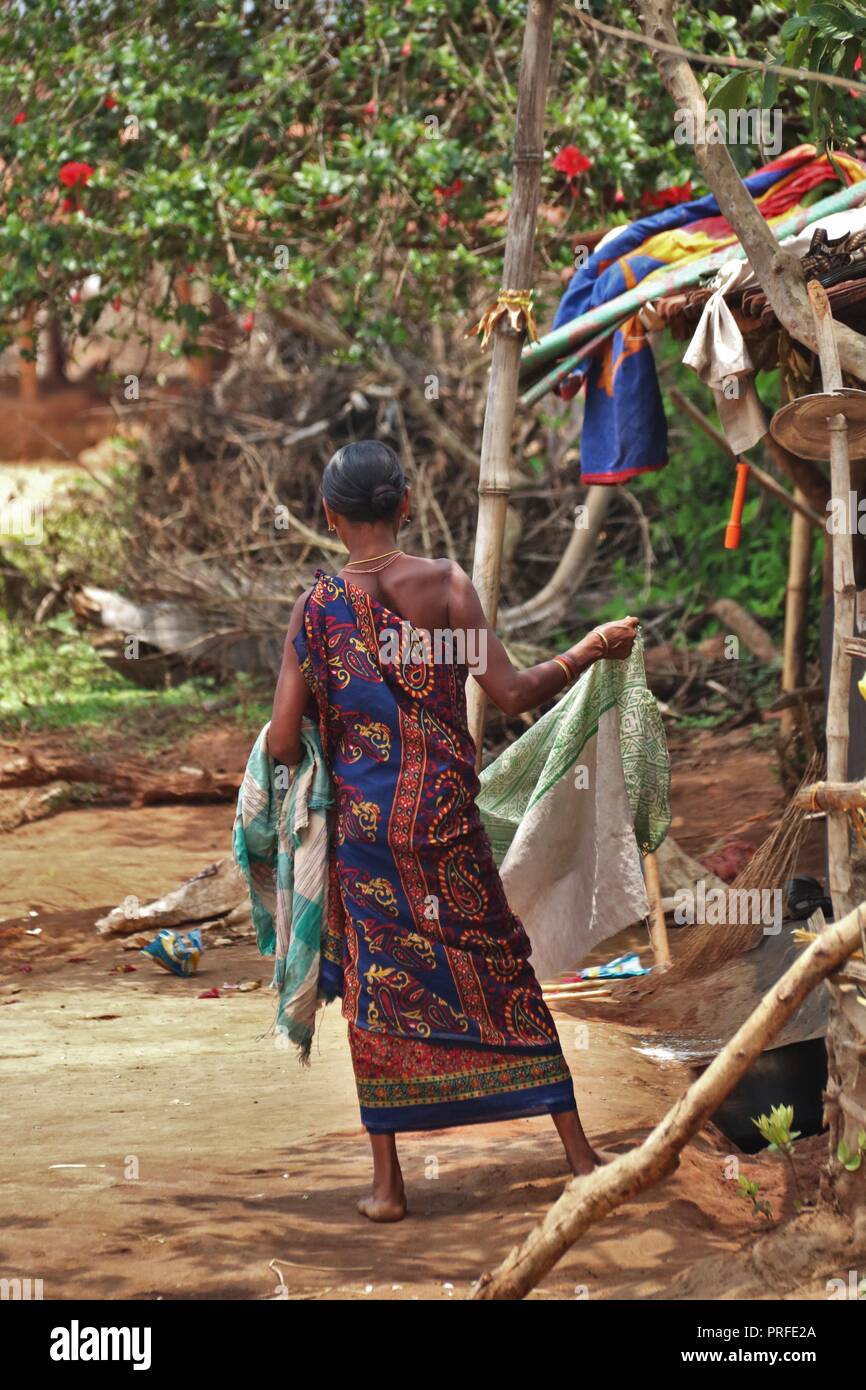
412	586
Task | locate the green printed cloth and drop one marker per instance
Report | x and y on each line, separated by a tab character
281	848
570	807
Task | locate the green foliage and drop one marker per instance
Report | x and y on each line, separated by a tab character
849	1160
824	38
750	1192
312	146
776	1130
51	679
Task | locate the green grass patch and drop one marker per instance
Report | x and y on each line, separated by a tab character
51	679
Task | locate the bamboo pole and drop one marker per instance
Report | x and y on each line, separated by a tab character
495	471
568	365
844	601
796	611
832	796
587	1199
658	931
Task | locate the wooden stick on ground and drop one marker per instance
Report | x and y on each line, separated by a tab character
585	1200
657	927
753	636
494	483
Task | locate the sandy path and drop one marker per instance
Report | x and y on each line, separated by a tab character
207	1154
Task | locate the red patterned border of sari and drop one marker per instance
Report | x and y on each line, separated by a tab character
415	1073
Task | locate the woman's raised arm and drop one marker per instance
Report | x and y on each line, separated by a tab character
513	690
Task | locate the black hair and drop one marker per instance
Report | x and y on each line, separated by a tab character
364	481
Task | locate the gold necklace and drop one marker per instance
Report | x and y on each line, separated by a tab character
353	564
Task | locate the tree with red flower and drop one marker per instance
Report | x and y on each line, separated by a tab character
571	161
74	174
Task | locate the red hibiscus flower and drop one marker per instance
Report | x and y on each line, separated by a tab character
75	172
248	322
571	162
667	197
451	190
852	91
444	220
110	102
406	50
371	108
20	118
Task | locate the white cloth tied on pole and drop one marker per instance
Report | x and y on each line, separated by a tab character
718	353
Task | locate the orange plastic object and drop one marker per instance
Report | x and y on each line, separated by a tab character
734	528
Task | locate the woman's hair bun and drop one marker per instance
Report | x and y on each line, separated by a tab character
364	481
385	498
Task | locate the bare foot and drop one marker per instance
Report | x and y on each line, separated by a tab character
588	1163
383	1208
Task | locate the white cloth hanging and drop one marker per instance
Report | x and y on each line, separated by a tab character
718	353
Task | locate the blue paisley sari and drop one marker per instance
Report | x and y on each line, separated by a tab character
447	1024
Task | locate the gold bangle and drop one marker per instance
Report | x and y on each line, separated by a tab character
569	674
598	632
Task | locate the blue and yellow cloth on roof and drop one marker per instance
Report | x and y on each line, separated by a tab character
624	429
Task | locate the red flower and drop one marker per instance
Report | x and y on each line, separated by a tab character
406	50
667	197
110	102
68	205
852	91
571	162
115	303
248	322
75	172
451	190
20	118
618	198
444	220
371	108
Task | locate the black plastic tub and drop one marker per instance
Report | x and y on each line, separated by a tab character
795	1074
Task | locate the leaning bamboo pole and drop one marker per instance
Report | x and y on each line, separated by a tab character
494	484
587	1199
844	601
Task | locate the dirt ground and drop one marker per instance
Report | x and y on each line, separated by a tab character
159	1146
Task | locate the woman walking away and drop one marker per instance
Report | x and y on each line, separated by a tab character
447	1025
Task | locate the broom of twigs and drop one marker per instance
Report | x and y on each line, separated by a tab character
705	948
